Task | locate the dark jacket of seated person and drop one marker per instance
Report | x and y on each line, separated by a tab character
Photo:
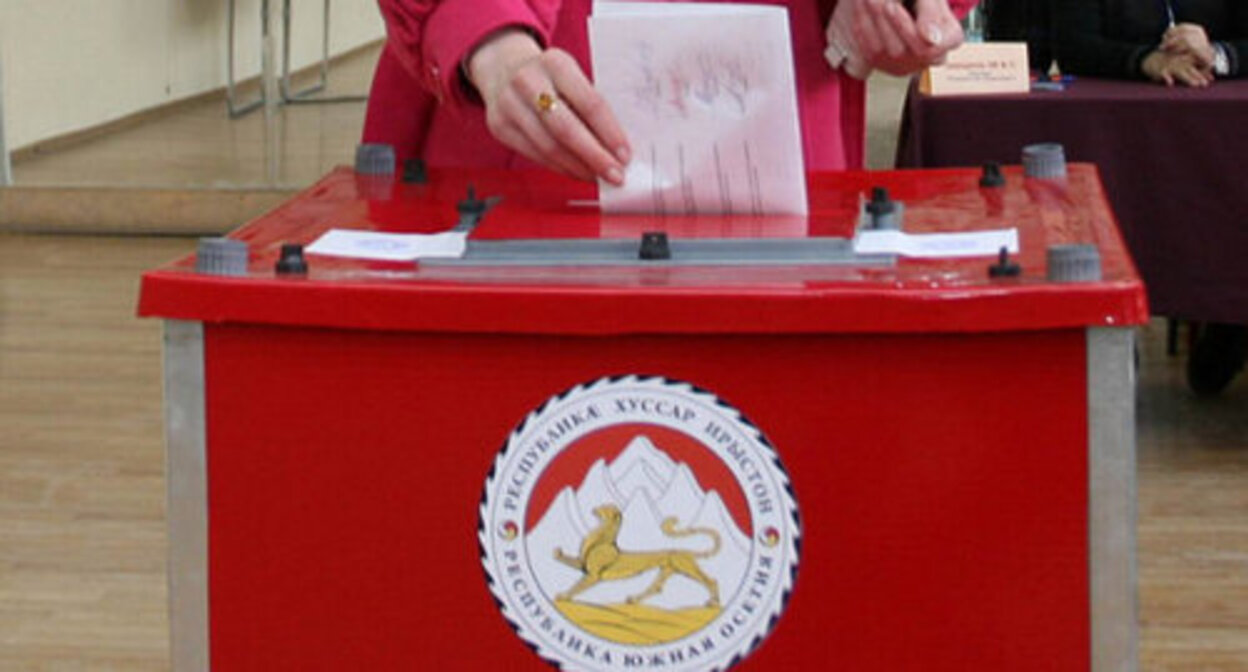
1191	42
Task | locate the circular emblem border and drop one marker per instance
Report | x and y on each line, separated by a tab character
744	645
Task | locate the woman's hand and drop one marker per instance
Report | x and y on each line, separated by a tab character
891	39
542	105
1189	38
1162	66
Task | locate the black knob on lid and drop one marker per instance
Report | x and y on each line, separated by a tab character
414	171
654	246
880	203
471	205
1005	267
992	176
292	261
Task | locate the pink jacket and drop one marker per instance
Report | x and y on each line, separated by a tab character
420	105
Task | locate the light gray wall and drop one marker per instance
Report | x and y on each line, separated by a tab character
75	64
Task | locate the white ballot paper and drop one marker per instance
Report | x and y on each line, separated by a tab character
706	94
389	246
937	245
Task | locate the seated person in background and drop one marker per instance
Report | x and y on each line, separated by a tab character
470	82
1191	42
1027	21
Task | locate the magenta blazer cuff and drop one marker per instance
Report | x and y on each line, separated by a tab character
432	38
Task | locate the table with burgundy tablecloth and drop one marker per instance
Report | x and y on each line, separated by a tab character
1172	161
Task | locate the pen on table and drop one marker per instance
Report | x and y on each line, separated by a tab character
1055	77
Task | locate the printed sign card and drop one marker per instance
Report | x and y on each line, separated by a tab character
980	68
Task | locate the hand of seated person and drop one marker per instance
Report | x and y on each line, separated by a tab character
1168	68
540	104
1189	38
889	38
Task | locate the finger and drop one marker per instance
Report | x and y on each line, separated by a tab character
953	33
1190	62
523	119
936	23
551	154
1192	30
1180	41
894	44
562	124
907	30
1188	76
527	86
590	106
514	138
498	119
864	30
554	154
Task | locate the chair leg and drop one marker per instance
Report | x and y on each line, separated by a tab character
232	105
1172	336
290	96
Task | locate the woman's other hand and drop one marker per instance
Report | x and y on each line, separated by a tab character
540	104
1189	38
1168	68
891	39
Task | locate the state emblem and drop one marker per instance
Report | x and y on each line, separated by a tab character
639	523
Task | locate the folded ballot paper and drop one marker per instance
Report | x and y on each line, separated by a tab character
706	94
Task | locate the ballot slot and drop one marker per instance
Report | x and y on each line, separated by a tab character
805	251
690	252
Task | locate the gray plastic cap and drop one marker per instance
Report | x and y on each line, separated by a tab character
221	256
1045	161
1074	263
374	159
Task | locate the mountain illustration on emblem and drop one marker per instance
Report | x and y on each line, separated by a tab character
639	552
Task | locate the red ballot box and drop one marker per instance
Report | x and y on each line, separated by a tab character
758	459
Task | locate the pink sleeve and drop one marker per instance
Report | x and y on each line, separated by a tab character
431	37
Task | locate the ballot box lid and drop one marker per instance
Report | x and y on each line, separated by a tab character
904	295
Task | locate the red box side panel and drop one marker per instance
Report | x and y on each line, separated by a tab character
941	482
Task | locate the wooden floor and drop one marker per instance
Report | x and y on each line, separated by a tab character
82	537
82	540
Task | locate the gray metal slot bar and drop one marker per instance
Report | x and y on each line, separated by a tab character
700	252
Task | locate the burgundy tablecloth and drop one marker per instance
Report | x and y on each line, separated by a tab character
1173	163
